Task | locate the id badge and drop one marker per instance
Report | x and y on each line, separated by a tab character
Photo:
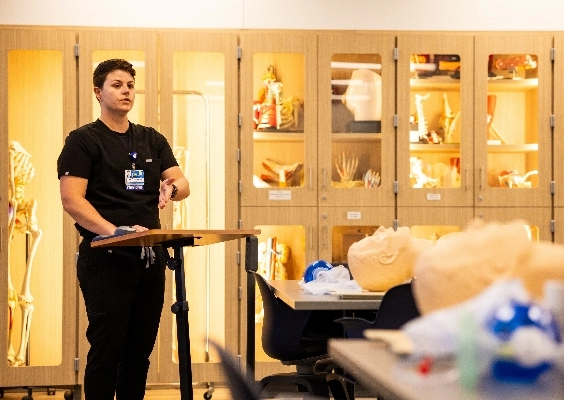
134	179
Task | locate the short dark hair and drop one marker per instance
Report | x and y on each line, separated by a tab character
105	67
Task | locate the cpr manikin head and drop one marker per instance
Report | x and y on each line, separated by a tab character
459	267
384	259
363	96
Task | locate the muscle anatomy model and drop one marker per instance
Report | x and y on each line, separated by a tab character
22	218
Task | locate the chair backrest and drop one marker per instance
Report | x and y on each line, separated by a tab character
239	385
283	327
397	308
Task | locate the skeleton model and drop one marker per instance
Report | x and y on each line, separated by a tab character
422	127
22	218
448	120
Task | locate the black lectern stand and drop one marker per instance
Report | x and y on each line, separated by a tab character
177	239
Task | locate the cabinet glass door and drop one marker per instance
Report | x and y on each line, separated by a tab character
38	283
278	119
340	227
435	116
558	133
286	245
198	76
512	113
356	133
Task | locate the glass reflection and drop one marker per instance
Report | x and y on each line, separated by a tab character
434	132
512	121
35	265
278	119
356	115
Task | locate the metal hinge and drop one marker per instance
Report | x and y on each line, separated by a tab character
396	187
76	50
240	120
552	54
552	226
238	155
239	52
238	257
76	364
552	187
395	224
552	120
395	120
240	293
396	54
240	223
240	187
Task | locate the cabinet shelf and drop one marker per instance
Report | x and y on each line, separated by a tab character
438	82
355	137
435	148
278	136
513	148
455	147
508	85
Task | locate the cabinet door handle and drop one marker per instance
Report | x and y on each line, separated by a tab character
466	179
324	235
324	173
310	177
481	178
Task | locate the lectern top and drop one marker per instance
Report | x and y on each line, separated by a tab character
159	237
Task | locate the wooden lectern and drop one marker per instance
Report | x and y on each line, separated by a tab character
177	239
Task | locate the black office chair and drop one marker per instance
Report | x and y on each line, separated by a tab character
299	338
397	308
239	386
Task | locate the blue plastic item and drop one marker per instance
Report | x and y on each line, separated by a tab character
509	322
314	269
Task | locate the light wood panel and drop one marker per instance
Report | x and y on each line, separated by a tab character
39	106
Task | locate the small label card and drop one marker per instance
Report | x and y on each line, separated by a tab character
433	196
279	195
354	215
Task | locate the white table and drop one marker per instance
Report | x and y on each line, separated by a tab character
292	294
393	378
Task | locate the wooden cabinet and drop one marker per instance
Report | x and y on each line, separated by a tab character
435	84
278	119
37	241
273	133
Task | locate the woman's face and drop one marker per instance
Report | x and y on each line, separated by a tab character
118	93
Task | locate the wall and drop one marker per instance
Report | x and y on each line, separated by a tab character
516	15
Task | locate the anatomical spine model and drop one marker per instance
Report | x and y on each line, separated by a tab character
22	218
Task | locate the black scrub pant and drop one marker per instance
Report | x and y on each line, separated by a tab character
124	301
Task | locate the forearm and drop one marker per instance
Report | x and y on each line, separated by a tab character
86	216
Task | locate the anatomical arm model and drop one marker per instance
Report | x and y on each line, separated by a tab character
22	218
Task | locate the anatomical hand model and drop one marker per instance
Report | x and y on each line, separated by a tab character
22	218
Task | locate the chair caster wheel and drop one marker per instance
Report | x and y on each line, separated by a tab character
69	394
207	395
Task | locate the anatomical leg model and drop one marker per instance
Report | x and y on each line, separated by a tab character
22	218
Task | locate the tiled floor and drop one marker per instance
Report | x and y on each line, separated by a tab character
218	393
